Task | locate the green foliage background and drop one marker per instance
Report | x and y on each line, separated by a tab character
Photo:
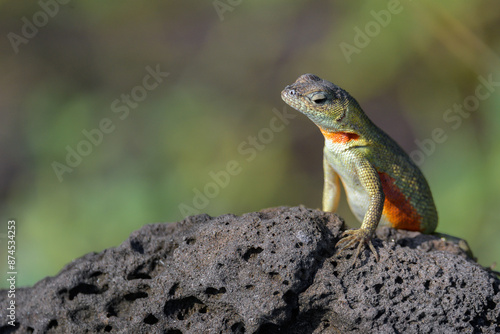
227	63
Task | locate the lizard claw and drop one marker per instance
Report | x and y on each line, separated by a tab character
353	237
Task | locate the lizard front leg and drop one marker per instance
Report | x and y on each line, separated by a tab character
331	187
370	180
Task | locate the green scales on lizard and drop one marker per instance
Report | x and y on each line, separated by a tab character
382	183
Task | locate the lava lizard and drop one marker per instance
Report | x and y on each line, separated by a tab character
381	182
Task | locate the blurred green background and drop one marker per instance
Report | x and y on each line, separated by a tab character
67	66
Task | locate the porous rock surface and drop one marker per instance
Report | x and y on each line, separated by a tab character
272	271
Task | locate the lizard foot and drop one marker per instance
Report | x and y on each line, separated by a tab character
353	237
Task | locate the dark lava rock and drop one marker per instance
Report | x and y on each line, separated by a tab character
273	271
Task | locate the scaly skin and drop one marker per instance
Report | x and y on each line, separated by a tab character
382	183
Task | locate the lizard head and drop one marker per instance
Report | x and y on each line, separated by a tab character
324	103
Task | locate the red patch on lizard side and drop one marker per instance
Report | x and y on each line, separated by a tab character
339	137
397	208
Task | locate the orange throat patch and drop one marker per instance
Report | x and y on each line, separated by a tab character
339	137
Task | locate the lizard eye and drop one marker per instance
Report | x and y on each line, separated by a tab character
319	98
